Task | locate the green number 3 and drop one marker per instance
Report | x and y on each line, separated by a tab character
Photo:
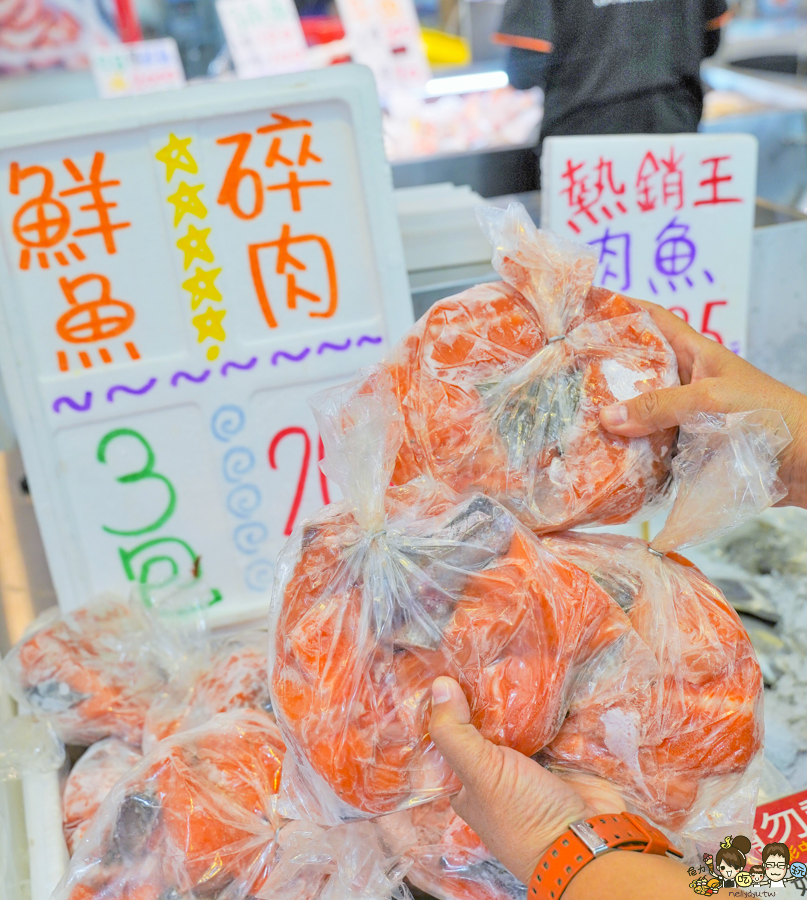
146	472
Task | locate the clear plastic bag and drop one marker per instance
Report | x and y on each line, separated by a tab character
684	745
377	595
356	861
234	676
501	386
28	747
92	673
195	818
90	780
450	862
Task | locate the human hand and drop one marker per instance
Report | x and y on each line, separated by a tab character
714	380
515	805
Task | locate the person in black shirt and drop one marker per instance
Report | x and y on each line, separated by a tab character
613	66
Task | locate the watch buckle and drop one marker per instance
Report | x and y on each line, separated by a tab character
588	836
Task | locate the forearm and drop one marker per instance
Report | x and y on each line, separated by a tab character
624	875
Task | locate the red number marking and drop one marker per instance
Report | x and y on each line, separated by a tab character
323	481
298	496
707	311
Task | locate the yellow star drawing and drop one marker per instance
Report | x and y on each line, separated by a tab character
194	245
202	286
208	324
186	200
175	155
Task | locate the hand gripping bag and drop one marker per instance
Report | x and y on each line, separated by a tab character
501	386
195	818
90	780
685	750
377	595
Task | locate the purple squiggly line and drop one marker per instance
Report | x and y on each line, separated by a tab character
327	345
197	379
69	401
365	338
110	394
237	365
290	356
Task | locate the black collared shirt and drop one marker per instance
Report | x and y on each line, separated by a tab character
597	52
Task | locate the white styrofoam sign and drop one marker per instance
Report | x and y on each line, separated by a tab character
178	274
670	215
385	35
121	70
265	37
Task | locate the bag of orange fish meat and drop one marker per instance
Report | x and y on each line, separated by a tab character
685	747
501	386
92	777
377	595
233	675
91	673
196	818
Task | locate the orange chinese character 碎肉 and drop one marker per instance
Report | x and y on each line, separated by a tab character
251	205
285	262
43	222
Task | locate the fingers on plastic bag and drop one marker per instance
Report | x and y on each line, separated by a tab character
197	813
725	473
92	673
450	862
232	676
365	615
673	716
90	780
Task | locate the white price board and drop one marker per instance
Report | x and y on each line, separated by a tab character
265	37
179	273
385	35
122	70
671	217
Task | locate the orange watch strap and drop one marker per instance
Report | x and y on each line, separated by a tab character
585	841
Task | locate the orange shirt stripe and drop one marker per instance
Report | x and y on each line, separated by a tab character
524	43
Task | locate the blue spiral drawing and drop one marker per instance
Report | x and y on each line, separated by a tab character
227	421
247	537
244	500
237	462
259	575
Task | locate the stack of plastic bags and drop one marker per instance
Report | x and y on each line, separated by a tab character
602	656
378	595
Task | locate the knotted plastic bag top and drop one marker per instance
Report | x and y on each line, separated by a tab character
501	386
554	274
361	434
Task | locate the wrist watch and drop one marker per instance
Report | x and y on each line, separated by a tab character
587	839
